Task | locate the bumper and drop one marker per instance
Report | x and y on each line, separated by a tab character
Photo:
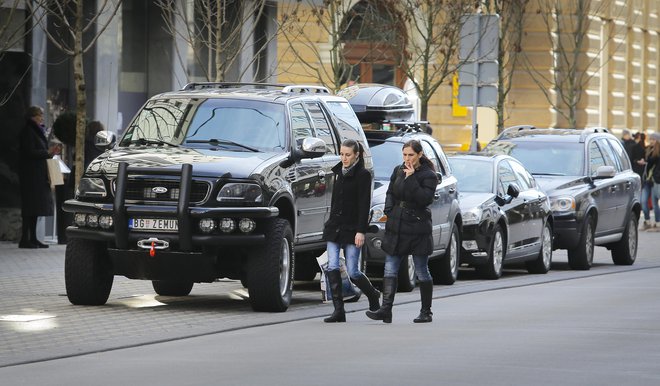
176	266
475	244
567	232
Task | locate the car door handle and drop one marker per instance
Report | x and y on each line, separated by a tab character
452	190
613	189
321	175
436	196
628	185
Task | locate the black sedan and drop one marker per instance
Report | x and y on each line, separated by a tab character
506	217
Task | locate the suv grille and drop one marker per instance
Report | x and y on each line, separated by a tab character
145	190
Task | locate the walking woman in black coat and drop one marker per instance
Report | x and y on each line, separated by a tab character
408	230
36	198
347	225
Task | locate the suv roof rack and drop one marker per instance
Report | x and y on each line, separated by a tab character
286	88
205	85
305	89
591	130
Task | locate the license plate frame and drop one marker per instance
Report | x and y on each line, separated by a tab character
144	224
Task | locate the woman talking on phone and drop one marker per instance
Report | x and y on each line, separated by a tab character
408	230
347	225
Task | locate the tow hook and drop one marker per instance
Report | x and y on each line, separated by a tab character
152	244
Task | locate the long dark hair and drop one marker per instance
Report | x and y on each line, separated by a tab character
416	146
356	146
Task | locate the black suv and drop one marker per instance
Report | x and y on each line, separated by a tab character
594	194
215	180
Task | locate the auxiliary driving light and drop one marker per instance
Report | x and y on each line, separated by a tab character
80	219
246	225
105	221
227	225
206	225
92	220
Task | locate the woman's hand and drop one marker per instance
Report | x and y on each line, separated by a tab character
359	239
408	169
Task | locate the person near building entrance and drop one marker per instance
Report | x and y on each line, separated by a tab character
408	230
36	197
347	225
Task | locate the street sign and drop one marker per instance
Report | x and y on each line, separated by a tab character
488	73
479	37
478	73
486	97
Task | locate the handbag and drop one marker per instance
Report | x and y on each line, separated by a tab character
55	175
349	291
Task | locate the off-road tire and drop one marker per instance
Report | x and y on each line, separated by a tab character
271	269
444	270
172	288
542	263
582	256
624	252
87	272
492	270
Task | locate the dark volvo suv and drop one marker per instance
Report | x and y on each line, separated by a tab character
215	180
594	194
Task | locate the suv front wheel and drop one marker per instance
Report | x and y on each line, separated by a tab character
87	272
270	269
624	251
582	256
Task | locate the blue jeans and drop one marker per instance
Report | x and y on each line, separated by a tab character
392	264
351	254
647	191
655	195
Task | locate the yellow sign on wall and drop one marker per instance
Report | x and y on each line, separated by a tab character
456	109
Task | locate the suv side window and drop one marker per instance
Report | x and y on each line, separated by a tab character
620	153
608	154
506	177
526	181
322	127
300	124
595	158
430	154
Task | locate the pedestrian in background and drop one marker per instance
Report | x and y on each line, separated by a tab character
347	225
635	152
36	197
651	182
408	230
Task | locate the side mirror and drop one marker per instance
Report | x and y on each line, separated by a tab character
104	140
439	177
501	201
604	172
312	147
513	191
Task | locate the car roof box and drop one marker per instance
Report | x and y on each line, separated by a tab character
378	102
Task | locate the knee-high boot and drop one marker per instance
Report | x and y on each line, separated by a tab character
338	315
426	293
363	283
384	313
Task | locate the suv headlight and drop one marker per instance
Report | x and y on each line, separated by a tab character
91	187
472	216
240	192
378	213
562	204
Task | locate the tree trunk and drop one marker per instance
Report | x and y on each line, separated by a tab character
81	95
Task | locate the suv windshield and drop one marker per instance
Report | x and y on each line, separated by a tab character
239	125
546	158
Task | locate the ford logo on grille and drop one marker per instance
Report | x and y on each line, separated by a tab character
159	189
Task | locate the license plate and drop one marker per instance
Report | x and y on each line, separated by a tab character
154	224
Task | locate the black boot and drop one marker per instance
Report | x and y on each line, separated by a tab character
339	315
363	283
384	313
426	293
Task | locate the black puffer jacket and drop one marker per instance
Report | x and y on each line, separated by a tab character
409	227
351	201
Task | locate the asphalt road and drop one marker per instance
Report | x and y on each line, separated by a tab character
599	327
